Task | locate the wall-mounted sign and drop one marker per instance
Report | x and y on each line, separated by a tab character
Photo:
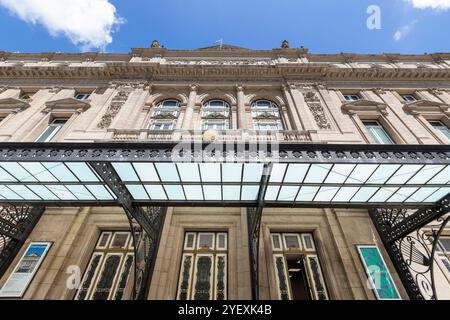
19	280
379	277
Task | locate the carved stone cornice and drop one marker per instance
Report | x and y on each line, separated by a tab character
426	107
320	71
67	105
13	105
364	106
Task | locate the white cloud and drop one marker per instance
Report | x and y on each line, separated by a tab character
430	4
404	31
87	23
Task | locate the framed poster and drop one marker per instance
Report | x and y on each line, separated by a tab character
19	280
380	278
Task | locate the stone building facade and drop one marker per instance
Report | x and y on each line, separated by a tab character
156	95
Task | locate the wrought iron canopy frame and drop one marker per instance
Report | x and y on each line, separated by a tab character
101	156
290	154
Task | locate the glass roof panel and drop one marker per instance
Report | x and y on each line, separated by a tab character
428	172
406	172
296	173
82	171
253	172
5	176
138	192
189	172
18	171
43	192
80	192
326	194
421	194
60	171
231	193
442	177
156	192
100	192
193	192
383	194
288	193
146	171
438	195
125	171
361	173
307	193
210	172
402	194
278	171
317	173
212	192
345	194
364	194
167	172
249	193
61	192
38	171
383	173
7	193
24	192
231	172
339	173
174	192
271	193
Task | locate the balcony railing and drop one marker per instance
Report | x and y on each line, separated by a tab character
147	135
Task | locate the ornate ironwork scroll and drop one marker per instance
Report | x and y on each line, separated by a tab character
146	224
146	244
410	238
16	224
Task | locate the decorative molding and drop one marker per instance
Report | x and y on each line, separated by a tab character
317	110
67	105
426	107
13	105
116	104
363	105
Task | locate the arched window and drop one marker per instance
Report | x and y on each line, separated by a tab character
266	116
216	115
165	115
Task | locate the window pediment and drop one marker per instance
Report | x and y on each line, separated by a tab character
13	105
68	105
426	106
364	106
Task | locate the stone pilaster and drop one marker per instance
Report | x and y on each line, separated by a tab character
189	114
241	114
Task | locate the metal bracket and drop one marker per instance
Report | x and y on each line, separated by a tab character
254	216
16	224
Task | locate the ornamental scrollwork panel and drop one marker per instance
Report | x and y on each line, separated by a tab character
113	109
317	110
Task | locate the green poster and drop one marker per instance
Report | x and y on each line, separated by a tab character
378	273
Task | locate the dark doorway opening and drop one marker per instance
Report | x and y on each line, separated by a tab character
298	277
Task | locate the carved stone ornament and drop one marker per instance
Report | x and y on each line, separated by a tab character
285	44
155	44
317	110
113	109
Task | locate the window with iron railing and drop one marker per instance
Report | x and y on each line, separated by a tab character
165	115
215	115
266	116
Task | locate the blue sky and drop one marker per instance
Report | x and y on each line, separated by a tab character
323	26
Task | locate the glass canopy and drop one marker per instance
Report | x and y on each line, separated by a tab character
238	184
